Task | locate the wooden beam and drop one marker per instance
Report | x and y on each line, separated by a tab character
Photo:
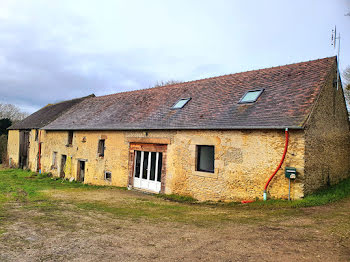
148	140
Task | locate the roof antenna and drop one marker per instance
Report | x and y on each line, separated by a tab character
334	43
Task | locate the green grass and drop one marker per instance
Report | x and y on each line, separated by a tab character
21	185
178	198
29	187
39	193
60	206
321	197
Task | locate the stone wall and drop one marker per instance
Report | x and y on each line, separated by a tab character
84	147
327	139
244	160
13	147
33	150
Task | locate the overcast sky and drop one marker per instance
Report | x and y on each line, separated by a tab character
56	50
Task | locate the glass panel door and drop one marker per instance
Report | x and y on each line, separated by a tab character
147	170
152	176
137	163
159	167
145	165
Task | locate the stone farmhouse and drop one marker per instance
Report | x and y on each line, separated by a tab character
219	138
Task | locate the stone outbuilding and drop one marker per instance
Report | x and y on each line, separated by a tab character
24	136
218	138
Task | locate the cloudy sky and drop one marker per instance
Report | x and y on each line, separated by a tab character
56	50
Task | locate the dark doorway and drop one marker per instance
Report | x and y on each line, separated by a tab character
37	162
23	149
63	165
81	170
38	159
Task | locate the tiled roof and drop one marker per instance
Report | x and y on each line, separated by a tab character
289	94
46	114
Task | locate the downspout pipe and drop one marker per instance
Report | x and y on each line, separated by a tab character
279	166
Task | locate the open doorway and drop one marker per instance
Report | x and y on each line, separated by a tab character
81	171
63	165
23	149
38	159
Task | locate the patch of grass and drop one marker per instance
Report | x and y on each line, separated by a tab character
329	195
115	210
33	190
178	198
150	209
321	197
22	185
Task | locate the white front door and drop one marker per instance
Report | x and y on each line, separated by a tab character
148	170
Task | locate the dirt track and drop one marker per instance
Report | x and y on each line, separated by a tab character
68	233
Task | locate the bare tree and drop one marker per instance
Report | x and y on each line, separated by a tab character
8	114
11	112
166	83
346	77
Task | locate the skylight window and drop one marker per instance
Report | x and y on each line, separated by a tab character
181	103
251	96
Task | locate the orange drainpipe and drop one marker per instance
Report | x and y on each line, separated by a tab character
279	166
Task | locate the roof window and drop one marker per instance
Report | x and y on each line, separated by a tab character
251	96
181	103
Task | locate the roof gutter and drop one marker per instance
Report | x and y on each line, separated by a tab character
176	128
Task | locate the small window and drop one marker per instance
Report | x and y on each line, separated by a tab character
54	160
108	176
181	103
205	158
251	96
101	147
36	134
70	138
